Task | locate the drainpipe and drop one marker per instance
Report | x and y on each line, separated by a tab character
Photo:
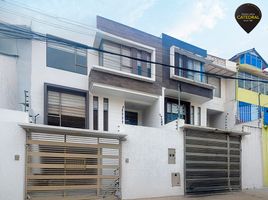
179	101
259	109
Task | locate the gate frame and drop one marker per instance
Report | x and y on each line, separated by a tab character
186	127
47	129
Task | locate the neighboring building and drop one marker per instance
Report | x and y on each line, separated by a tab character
178	125
252	97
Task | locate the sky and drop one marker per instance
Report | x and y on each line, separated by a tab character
209	24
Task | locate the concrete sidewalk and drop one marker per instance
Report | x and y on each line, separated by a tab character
258	194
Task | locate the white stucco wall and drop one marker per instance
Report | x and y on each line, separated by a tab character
148	173
42	74
251	156
8	82
114	113
12	139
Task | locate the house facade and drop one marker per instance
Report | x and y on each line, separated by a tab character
144	124
251	97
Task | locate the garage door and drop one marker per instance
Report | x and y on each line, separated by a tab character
212	162
63	166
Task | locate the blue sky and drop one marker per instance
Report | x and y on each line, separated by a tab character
209	24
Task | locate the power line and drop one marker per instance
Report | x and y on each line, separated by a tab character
42	37
15	12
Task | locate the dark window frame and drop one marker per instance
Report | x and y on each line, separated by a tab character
96	114
105	115
143	70
187	107
68	90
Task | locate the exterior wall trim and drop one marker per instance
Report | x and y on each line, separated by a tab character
121	73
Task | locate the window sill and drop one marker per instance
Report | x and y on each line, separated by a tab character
121	73
186	80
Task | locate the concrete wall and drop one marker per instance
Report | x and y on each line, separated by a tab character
148	174
8	82
42	74
12	139
151	115
251	156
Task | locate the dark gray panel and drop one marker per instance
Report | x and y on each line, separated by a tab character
124	82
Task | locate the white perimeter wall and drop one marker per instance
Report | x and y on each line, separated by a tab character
148	173
8	82
12	139
252	171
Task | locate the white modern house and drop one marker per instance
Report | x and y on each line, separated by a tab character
99	125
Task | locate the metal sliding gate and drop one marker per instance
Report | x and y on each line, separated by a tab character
212	162
63	166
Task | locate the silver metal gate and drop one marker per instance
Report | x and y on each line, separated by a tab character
63	163
212	162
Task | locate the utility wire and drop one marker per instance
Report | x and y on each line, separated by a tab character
66	21
42	37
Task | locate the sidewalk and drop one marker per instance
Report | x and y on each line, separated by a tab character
258	194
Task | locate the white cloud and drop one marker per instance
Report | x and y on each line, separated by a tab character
204	14
138	10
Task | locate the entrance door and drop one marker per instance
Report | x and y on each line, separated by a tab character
212	162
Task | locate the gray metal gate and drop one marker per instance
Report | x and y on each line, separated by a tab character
212	162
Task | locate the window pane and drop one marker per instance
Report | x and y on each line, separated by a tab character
65	109
248	83
192	115
126	62
67	58
61	58
95	113
131	118
217	83
259	63
199	116
105	114
248	58
174	108
190	66
255	85
253	60
197	67
241	83
109	60
242	59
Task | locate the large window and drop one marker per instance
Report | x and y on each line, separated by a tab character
66	108
67	58
123	63
188	63
251	60
217	83
256	86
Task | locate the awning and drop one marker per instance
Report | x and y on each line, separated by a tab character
219	66
214	130
40	128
